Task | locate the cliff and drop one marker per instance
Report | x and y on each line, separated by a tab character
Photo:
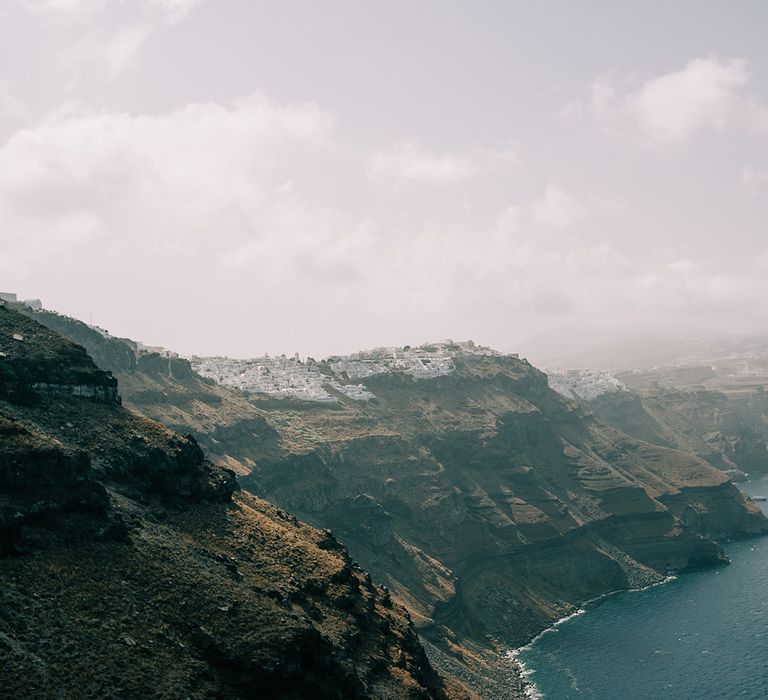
488	504
133	567
727	428
166	389
491	505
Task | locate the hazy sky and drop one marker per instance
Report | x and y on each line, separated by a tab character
235	176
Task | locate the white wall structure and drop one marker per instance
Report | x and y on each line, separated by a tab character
584	384
290	377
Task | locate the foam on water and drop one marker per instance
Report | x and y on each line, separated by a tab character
705	636
515	655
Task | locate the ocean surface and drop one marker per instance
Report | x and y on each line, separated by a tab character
699	636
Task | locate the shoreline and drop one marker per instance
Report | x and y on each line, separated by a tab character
513	655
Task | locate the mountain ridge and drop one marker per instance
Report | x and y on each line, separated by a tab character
488	504
133	566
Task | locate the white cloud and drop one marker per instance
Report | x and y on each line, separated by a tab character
224	218
707	94
108	35
65	8
557	208
412	162
12	108
202	169
80	10
507	274
752	181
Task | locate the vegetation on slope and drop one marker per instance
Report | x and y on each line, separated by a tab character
488	504
132	567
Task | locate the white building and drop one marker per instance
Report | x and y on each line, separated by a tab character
285	377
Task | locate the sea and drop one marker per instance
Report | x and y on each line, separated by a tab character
698	636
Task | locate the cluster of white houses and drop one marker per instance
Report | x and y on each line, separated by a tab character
584	384
422	362
275	376
290	377
278	376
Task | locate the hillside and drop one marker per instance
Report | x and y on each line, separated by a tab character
728	429
486	502
718	411
492	506
132	567
163	387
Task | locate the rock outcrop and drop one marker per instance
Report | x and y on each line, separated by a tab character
35	361
132	567
230	430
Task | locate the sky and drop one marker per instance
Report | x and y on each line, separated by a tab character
239	177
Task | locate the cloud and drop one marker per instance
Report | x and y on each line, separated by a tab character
108	35
81	10
224	222
71	9
412	162
752	182
706	95
509	274
557	208
125	178
12	109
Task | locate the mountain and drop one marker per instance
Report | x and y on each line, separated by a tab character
163	386
726	425
130	566
717	410
490	505
487	503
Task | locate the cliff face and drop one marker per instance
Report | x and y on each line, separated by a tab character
36	362
492	506
726	428
486	503
131	566
166	389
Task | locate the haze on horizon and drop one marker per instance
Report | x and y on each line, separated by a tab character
236	177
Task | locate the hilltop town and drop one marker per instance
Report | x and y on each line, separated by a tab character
338	376
285	377
12	301
584	384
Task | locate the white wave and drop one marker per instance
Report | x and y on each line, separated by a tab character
529	687
514	655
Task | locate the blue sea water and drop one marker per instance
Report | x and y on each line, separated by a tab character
699	636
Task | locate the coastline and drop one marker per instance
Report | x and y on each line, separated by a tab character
513	655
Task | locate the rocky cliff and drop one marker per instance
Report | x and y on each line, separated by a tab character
491	505
132	567
488	504
727	428
166	389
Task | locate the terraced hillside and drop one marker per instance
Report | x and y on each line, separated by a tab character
728	428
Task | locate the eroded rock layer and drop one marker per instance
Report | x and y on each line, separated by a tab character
487	503
492	505
132	567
